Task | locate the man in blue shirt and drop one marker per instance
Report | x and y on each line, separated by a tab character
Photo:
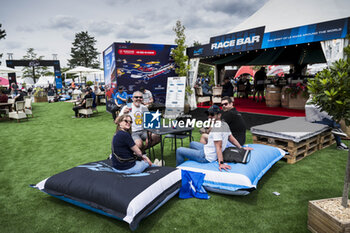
120	99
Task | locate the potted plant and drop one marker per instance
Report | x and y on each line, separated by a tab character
297	95
331	90
40	95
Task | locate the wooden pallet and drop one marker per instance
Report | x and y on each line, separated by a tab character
326	139
297	150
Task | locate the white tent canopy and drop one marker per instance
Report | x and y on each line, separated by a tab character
44	81
27	81
6	70
283	14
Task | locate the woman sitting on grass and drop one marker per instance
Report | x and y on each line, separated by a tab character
126	156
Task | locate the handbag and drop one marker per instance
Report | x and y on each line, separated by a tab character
236	155
123	160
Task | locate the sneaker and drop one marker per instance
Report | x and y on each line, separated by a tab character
344	146
156	162
74	117
339	132
161	163
340	147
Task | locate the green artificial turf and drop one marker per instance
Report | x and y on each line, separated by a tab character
52	142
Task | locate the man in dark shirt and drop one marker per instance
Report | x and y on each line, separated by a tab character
19	96
234	119
82	104
227	88
259	84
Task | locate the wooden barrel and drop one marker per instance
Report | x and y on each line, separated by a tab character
273	96
284	98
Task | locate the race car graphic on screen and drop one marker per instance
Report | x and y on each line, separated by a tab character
146	70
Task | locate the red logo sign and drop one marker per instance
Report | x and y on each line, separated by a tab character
137	52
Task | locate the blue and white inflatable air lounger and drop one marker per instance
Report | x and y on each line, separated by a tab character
127	197
242	178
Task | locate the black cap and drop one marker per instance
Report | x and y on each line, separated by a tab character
214	110
120	88
142	89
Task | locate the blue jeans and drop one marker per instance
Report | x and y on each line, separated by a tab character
195	152
332	124
139	167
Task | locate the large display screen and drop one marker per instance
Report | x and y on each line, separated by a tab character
144	65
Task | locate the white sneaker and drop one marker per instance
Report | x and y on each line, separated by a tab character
339	132
161	164
344	146
156	162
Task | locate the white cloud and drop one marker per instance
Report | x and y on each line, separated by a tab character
13	45
51	26
102	28
63	22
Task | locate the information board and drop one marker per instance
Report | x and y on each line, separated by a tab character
175	97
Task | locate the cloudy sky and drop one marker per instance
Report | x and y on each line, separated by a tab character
50	26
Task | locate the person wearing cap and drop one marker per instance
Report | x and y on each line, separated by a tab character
234	120
217	142
82	104
147	97
120	99
77	91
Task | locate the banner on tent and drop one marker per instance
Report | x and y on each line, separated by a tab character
255	38
230	43
238	41
306	34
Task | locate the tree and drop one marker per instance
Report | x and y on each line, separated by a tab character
331	91
34	71
2	36
2	33
178	53
83	52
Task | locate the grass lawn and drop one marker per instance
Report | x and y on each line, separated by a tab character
52	142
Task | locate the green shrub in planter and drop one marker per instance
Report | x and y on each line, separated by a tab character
331	91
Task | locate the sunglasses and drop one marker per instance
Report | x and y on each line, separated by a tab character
138	97
126	121
224	104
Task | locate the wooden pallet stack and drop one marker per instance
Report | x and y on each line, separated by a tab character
297	150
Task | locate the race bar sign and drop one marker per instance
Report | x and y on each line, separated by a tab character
238	41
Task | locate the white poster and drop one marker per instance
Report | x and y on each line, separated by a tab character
175	97
333	50
192	76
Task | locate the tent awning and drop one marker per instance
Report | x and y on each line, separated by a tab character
267	57
229	59
302	54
